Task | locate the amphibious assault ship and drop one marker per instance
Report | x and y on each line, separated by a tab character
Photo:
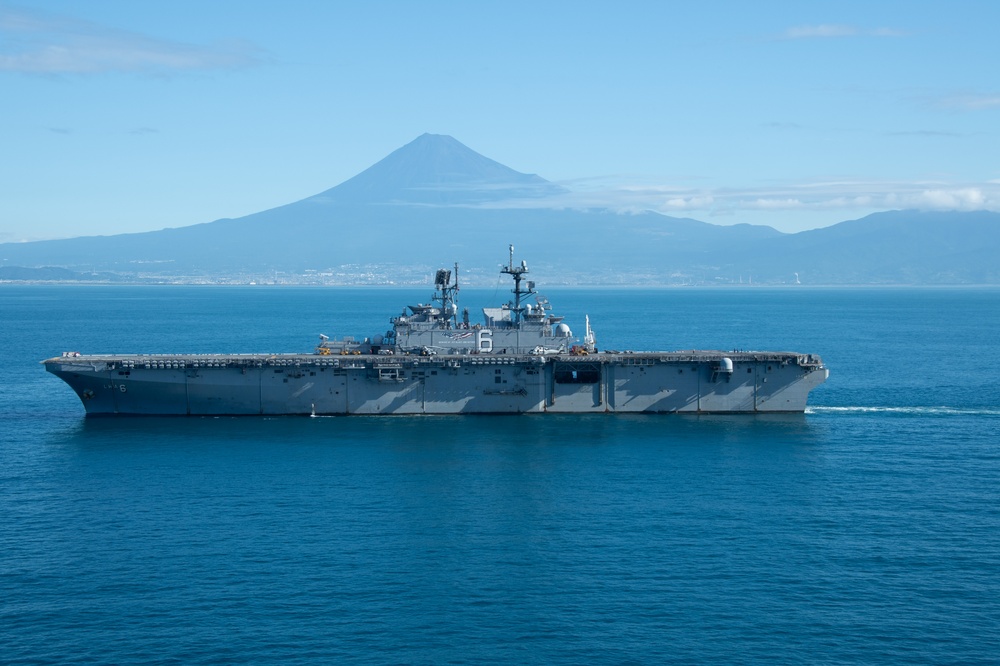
521	358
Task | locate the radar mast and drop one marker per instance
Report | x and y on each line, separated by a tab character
446	292
517	272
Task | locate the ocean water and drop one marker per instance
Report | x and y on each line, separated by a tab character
864	531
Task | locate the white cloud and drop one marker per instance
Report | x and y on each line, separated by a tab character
827	199
860	201
773	204
970	198
847	196
36	43
689	203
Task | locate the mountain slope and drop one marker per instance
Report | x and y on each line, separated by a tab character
894	247
437	169
435	201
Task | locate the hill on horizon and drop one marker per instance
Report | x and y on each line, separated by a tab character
435	201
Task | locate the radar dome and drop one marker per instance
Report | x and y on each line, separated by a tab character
562	331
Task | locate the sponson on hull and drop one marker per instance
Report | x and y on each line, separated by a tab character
521	358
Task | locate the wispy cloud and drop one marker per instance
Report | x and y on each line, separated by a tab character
825	30
779	125
969	102
926	133
813	196
834	30
37	43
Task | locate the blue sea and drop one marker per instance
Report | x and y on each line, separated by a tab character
864	531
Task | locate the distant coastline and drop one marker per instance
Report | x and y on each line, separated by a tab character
419	283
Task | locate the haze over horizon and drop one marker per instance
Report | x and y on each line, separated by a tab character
125	117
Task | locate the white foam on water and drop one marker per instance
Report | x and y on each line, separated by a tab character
925	411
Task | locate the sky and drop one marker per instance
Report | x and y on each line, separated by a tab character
123	116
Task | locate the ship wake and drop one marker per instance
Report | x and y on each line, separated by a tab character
912	411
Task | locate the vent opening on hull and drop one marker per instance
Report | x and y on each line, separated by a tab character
577	373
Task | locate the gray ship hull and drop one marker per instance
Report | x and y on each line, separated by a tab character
371	384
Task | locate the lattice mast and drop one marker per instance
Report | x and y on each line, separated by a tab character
517	272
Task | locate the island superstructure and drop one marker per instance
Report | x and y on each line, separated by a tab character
521	358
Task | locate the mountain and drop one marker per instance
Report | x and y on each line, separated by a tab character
437	169
435	201
897	247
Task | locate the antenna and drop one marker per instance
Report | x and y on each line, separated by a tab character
589	340
517	272
446	292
